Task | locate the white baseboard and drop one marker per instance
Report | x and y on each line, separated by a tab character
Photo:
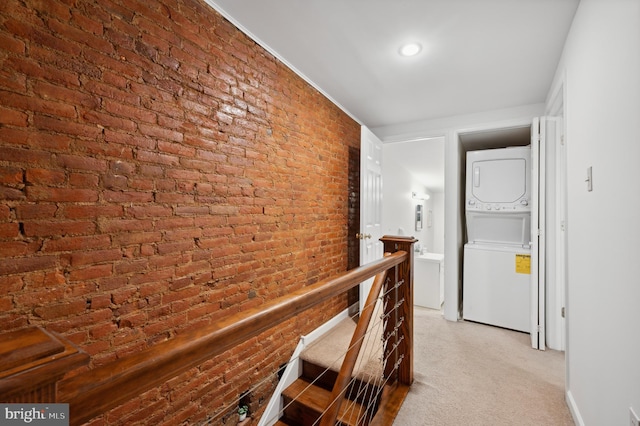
573	408
294	369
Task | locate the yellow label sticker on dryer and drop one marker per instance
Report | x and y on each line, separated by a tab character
523	263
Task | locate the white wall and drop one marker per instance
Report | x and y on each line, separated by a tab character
601	71
437	245
398	208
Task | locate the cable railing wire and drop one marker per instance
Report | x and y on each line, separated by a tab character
364	391
377	383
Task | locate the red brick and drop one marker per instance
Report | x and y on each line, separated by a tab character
108	120
128	196
58	228
164	197
95	256
68	308
17	248
10	284
159	132
13	82
50	91
11	117
83	180
81	163
45	176
15	136
128	267
11	44
111	92
149	211
71	243
120	225
50	142
153	157
11	175
90	272
48	107
91	211
66	127
40	193
5	212
26	264
168	248
102	330
129	111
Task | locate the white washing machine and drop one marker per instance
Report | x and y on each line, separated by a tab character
497	256
496	285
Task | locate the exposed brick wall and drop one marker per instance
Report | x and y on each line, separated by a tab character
159	170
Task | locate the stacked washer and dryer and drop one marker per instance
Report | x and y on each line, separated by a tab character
497	255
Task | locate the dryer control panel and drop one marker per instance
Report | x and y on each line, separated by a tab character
474	205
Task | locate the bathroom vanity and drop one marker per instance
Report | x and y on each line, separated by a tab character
428	280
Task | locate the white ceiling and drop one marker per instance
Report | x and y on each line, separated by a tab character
478	55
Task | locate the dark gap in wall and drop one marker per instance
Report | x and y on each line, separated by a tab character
353	220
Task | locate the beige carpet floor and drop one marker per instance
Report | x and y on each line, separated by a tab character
468	374
473	374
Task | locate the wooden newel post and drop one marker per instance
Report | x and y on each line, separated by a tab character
399	327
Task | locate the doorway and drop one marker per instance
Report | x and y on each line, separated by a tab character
413	193
520	135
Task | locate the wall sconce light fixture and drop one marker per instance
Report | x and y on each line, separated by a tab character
419	196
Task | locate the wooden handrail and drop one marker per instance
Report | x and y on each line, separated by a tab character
96	391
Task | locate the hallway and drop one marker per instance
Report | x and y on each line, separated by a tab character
472	374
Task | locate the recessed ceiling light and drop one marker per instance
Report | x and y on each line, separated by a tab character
410	49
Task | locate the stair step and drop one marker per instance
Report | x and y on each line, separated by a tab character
363	392
309	401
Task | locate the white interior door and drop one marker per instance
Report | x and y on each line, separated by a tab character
370	204
538	197
546	234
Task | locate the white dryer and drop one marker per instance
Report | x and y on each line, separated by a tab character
498	196
496	276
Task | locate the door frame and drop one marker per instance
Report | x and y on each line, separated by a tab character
558	295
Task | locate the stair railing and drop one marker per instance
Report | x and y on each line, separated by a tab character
96	391
396	285
346	370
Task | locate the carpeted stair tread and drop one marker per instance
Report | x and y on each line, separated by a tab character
329	351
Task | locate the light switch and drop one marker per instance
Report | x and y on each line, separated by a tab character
589	179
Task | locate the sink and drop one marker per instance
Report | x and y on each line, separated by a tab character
434	257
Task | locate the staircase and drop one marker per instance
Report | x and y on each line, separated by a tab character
307	398
387	315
